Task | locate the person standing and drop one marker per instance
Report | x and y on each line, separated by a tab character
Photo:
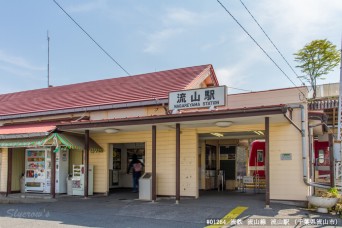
137	166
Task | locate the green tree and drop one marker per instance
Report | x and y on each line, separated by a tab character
316	59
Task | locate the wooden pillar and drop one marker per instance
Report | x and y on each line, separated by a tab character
332	160
9	171
86	163
267	161
177	163
154	150
53	173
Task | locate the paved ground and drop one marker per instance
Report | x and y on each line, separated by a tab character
121	209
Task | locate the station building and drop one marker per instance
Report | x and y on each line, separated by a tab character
181	123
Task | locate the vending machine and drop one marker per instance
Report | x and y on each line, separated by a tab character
37	164
62	170
78	180
38	170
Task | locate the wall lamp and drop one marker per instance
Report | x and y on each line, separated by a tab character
223	123
111	130
217	134
259	132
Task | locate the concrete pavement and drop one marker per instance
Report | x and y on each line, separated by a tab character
121	209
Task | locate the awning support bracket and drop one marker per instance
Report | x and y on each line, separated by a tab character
295	125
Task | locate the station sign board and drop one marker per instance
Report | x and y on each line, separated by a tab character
198	98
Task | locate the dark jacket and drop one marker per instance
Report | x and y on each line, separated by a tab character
131	165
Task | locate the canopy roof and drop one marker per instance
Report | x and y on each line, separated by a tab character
20	143
30	130
71	141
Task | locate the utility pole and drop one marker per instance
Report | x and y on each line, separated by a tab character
48	64
339	100
339	168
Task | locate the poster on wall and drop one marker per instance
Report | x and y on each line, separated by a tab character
241	161
116	158
260	155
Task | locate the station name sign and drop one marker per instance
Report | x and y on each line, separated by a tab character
198	98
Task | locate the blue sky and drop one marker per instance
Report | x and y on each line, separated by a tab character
147	36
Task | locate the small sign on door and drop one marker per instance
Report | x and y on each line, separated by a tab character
223	157
286	156
247	179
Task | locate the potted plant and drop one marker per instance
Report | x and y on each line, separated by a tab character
338	207
325	200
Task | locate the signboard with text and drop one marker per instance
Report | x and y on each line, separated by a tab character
198	98
286	156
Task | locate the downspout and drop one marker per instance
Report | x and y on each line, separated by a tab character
311	154
306	180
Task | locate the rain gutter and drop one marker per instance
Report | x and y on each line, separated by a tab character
295	125
87	109
176	118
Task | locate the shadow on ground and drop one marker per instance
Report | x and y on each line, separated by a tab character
122	209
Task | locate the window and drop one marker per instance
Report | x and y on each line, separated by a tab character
321	156
260	155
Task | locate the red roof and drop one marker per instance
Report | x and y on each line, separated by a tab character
27	128
142	87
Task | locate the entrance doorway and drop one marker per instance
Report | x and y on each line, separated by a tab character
224	161
119	158
228	166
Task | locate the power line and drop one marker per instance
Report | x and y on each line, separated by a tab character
259	46
272	42
116	62
239	89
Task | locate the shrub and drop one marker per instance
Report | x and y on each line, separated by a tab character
331	193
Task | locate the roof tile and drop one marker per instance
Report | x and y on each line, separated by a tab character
141	87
